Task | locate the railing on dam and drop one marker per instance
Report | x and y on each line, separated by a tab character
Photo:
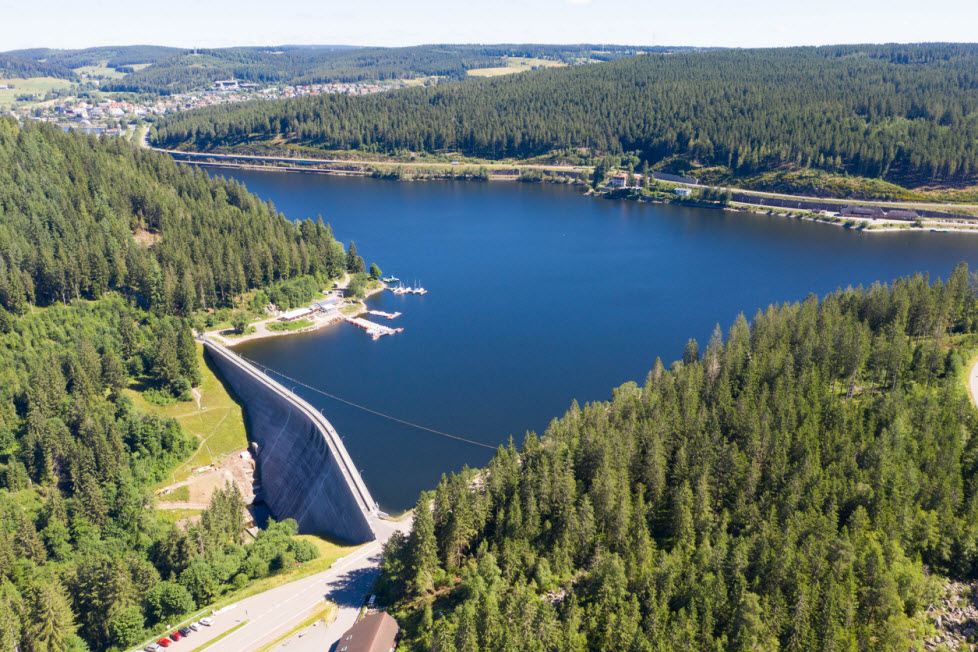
306	472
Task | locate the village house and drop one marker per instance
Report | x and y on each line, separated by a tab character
683	192
374	632
619	180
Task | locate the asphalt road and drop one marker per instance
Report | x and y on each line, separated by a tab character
273	613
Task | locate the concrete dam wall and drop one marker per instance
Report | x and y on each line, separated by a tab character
306	472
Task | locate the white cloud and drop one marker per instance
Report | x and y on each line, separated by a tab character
578	3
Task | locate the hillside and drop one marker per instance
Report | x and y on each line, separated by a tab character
109	256
161	70
12	66
903	113
802	483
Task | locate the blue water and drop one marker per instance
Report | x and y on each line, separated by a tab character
537	296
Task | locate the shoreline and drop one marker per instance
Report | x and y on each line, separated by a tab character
318	322
862	226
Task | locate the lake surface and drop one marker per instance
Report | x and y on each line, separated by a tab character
537	296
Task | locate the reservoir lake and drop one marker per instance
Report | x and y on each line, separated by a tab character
537	296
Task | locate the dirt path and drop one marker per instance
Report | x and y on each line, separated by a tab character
181	505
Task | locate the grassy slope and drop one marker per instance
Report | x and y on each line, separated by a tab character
32	85
219	423
514	65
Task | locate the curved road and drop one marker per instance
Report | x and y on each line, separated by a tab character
269	615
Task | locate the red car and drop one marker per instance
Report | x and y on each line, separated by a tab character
175	636
165	642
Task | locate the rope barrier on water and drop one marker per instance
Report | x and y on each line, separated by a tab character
364	408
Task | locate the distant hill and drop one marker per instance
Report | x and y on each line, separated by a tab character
323	64
907	113
165	70
19	67
114	56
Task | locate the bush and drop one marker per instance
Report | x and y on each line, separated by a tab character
159	397
303	550
358	286
167	599
240	581
255	568
199	579
126	626
285	562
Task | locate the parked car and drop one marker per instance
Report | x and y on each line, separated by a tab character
195	626
207	622
185	631
165	642
175	636
153	647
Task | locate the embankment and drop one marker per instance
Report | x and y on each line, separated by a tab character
306	472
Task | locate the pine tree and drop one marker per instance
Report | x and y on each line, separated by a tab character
49	624
423	546
354	263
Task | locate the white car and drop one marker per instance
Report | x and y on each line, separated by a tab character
207	621
153	647
195	626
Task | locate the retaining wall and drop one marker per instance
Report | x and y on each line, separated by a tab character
306	472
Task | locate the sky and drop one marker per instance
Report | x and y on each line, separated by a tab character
726	23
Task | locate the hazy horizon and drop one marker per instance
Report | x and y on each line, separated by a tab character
461	43
388	23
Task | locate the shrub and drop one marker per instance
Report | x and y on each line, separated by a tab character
303	550
167	599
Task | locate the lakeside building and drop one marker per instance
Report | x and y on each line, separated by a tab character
293	315
326	306
375	632
619	180
902	214
864	212
684	192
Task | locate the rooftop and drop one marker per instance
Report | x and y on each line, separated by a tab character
372	633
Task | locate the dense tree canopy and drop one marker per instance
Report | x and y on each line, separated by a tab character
106	253
14	66
70	206
792	486
902	112
114	56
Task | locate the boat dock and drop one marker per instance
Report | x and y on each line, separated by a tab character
381	313
400	289
376	331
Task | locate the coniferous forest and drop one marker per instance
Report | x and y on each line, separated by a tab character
108	253
802	483
904	113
